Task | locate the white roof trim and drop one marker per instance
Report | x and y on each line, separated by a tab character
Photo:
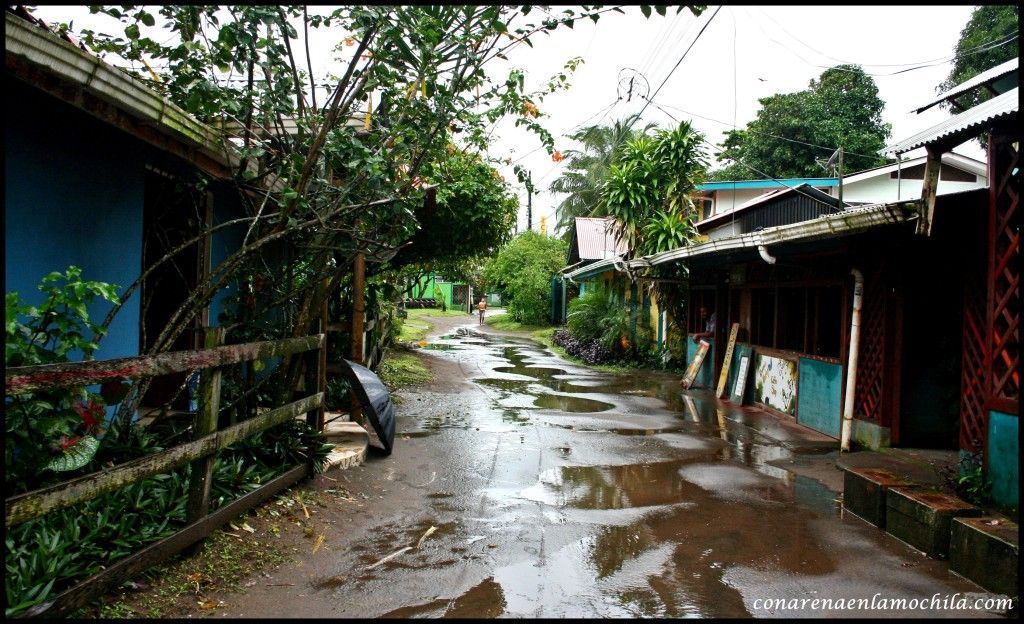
952	159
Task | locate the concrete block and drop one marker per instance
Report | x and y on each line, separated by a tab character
922	517
870	435
986	553
864	492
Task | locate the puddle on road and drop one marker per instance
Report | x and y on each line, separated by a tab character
571	403
613	487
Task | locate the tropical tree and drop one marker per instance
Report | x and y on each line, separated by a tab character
522	272
649	190
988	39
587	167
794	132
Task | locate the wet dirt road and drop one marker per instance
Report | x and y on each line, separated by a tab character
559	491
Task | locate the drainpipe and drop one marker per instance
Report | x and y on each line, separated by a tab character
851	370
770	259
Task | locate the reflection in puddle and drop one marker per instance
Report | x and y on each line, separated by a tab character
571	403
612	487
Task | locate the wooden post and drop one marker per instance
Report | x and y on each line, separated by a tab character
929	190
325	319
206	423
358	307
358	318
315	374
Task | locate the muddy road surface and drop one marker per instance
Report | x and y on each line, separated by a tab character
523	485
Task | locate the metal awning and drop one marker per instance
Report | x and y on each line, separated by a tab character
963	126
997	74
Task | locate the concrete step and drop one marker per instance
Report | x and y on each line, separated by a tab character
864	492
922	517
350	442
985	550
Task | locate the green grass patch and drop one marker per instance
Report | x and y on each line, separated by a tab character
400	370
413	331
502	322
432	312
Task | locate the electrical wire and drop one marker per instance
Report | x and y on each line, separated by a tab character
767	134
675	67
979	48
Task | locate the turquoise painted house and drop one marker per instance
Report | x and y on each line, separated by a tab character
100	173
937	361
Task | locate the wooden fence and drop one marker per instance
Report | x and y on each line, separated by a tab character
200	452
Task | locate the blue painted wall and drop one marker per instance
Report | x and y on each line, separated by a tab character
819	396
1004	457
73	195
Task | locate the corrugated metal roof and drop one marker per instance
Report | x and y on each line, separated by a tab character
595	238
990	75
964	124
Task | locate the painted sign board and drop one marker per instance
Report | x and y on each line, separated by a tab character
724	377
741	379
698	359
775	382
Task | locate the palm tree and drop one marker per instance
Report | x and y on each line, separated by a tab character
587	167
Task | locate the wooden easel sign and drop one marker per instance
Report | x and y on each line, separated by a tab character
698	359
724	377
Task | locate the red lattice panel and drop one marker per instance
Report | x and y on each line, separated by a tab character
1004	272
871	356
973	372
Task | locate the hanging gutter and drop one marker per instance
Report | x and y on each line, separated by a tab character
849	221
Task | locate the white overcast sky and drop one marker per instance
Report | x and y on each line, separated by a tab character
746	53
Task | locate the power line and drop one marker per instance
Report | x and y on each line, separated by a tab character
768	134
983	48
605	110
979	48
675	67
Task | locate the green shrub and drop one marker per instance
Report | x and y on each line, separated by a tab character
48	433
594	316
522	272
439	298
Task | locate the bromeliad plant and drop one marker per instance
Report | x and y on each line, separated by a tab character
55	430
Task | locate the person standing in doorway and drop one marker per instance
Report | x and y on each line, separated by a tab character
708	323
482	307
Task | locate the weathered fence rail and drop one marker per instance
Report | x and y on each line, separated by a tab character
200	451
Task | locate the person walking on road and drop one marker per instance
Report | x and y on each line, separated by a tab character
482	307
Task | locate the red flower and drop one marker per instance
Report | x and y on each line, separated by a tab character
66	442
91	413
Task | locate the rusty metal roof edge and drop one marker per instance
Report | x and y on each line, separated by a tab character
846	222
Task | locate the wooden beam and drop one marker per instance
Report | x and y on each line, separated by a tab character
30	505
929	190
24	379
85	592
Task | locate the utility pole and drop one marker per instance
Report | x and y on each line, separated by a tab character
840	177
529	207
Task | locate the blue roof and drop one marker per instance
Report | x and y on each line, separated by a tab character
765	184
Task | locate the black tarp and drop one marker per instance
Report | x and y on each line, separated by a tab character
375	400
